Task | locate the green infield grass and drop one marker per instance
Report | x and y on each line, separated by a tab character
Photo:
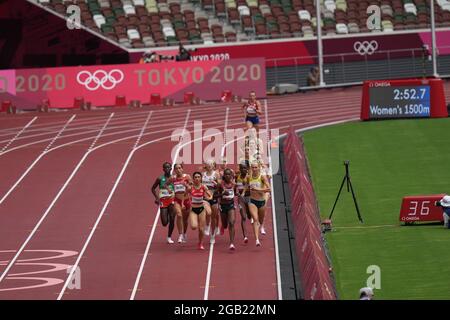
388	160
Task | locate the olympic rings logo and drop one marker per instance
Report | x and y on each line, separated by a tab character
365	47
100	78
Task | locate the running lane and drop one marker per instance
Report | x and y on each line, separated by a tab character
73	213
132	214
110	264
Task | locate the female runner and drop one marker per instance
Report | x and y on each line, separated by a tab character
258	185
243	193
252	110
181	182
165	200
210	179
197	216
227	212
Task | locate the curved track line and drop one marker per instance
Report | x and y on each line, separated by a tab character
155	222
78	126
106	204
49	125
178	151
50	207
152	233
288	116
17	135
274	216
36	161
89	138
286	106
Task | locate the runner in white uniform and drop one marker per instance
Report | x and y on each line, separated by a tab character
210	178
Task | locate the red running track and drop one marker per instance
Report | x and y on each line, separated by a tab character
86	202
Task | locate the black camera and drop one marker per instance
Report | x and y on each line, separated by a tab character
438	204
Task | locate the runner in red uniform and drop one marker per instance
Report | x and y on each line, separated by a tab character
181	182
197	217
252	111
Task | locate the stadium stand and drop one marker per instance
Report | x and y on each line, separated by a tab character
158	23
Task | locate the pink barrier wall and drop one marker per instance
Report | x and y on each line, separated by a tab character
313	264
101	84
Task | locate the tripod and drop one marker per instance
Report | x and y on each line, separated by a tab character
349	188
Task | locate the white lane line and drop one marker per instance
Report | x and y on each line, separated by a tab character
142	130
59	133
75	128
82	125
177	153
17	135
67	144
100	132
285	106
105	206
50	124
35	161
109	134
44	216
155	223
267	116
274	216
50	207
211	246
225	128
289	116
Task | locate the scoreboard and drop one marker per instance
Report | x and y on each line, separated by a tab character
421	208
396	99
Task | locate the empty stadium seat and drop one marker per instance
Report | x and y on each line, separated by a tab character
147	23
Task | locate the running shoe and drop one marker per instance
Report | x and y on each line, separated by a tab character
180	238
263	230
200	246
169	240
184	237
245	240
207	230
258	244
217	232
212	240
251	220
232	247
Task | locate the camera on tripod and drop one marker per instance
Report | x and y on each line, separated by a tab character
346	180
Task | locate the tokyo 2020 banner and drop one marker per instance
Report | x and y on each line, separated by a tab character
101	84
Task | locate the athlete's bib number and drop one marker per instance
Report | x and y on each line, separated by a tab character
251	111
197	200
228	194
164	193
255	185
180	188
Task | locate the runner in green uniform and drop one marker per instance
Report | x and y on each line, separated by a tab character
165	199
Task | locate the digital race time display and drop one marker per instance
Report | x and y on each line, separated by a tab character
399	102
